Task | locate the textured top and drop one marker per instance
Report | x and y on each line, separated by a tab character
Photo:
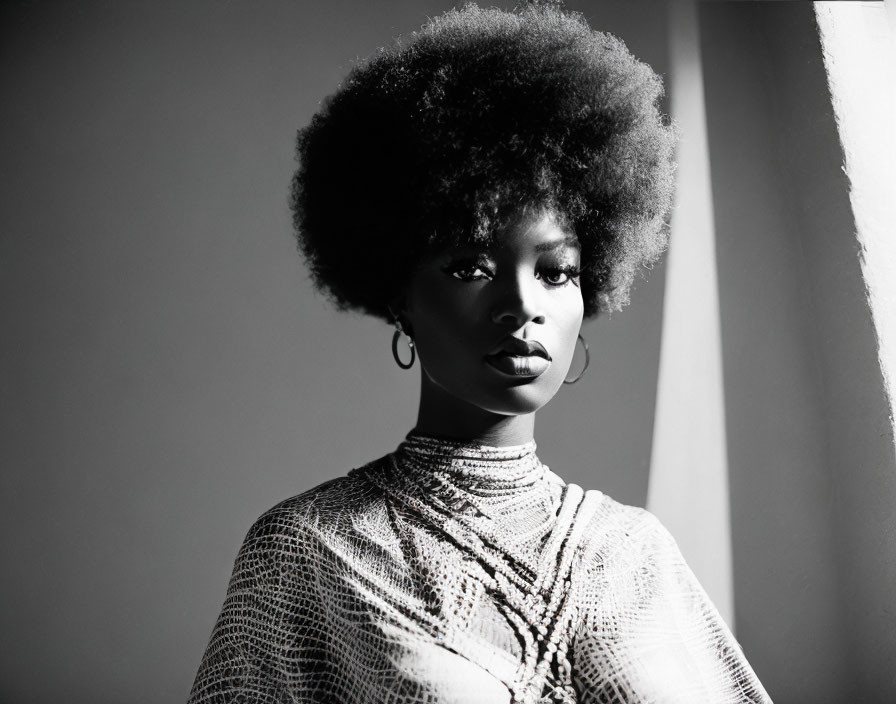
446	573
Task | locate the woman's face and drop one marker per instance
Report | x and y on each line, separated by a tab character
496	327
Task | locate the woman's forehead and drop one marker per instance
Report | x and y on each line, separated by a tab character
542	230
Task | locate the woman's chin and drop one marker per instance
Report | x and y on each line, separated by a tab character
496	393
519	398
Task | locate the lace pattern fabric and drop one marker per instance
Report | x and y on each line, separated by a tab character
445	573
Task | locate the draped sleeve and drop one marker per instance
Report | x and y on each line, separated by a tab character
264	648
649	633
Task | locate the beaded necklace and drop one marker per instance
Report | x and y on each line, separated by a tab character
520	523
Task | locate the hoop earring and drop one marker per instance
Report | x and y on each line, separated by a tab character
587	362
398	361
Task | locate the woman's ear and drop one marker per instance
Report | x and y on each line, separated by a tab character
398	310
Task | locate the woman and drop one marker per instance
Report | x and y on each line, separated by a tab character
483	186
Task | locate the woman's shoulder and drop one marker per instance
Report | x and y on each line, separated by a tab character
330	507
609	509
621	529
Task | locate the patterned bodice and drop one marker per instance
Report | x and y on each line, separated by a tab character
447	573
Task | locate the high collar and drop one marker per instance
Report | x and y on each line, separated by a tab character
471	466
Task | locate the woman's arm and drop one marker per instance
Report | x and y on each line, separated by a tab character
653	635
261	637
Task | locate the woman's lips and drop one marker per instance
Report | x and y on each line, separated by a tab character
520	358
519	365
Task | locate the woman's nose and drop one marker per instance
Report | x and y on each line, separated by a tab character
519	303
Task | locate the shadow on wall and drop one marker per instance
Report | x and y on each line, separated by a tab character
812	472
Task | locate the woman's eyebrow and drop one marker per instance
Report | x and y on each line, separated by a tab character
569	241
465	252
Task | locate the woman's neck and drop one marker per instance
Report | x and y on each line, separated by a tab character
442	415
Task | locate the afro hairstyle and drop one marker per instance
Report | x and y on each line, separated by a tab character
458	128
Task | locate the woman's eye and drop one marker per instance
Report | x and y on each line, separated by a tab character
560	276
468	272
